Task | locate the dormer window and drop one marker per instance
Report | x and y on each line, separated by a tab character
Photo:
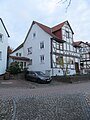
67	34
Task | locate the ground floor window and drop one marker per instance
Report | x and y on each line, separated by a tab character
24	64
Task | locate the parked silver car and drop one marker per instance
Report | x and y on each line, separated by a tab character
37	76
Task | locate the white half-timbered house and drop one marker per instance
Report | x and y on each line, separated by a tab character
3	47
84	50
51	50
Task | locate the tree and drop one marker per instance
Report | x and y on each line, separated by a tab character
64	1
14	68
9	51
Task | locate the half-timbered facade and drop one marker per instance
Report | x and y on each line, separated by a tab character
65	58
84	50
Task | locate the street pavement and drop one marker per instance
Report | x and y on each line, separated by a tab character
29	101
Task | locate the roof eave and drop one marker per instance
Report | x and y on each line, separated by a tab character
58	40
4	27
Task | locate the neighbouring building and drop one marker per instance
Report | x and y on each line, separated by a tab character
84	50
18	56
49	49
3	47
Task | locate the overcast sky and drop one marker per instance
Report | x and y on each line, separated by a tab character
19	14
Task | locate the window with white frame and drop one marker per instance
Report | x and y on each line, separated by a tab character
0	37
0	55
29	50
67	34
20	54
42	59
16	54
42	45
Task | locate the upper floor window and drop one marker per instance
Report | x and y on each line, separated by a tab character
42	59
34	35
0	55
0	37
67	34
20	54
80	50
42	45
16	54
29	50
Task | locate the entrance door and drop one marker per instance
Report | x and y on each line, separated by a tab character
77	67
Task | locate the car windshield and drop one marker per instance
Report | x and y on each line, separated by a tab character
40	73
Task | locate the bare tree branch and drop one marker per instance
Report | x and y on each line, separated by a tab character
64	1
68	4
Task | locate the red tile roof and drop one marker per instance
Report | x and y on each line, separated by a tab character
58	27
47	30
19	58
77	44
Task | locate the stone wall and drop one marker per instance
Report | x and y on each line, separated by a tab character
11	77
71	79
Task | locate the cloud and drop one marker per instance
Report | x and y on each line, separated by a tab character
19	14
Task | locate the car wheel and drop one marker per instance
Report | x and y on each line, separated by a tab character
38	80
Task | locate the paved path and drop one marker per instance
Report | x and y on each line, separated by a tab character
64	102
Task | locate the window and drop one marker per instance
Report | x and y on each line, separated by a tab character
20	54
67	34
42	58
21	65
29	50
0	37
0	55
24	64
42	45
34	35
59	60
16	54
30	62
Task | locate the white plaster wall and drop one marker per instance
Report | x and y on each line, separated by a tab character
3	49
18	51
36	51
57	71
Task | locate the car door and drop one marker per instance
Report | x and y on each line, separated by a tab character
33	76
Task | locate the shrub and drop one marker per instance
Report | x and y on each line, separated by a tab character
14	68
